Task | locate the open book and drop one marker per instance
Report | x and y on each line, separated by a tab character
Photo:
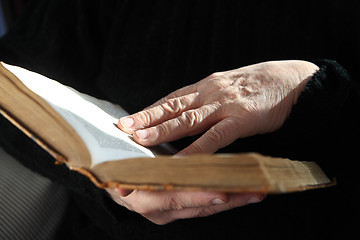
79	131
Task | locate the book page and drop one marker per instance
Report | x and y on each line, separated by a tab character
93	119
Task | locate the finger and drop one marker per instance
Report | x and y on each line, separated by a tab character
115	196
123	192
182	200
220	135
146	203
178	93
202	85
171	108
235	200
189	123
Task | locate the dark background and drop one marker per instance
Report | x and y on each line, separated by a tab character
100	47
135	52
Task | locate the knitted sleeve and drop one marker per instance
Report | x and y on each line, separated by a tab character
324	124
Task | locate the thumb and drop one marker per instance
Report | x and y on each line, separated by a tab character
123	192
218	136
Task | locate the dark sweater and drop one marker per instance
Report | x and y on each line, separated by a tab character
135	52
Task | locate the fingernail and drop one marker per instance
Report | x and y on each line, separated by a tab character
127	122
142	134
253	200
218	201
179	154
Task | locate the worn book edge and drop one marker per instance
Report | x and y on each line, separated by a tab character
319	181
268	175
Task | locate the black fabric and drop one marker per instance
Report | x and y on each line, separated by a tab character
135	52
36	216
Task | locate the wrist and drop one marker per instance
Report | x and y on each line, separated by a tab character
305	71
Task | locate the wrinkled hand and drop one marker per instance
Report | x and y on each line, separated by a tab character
165	207
227	105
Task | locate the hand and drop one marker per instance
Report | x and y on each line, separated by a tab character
227	105
164	207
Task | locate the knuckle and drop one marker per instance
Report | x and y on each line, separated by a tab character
173	203
172	105
189	118
218	85
215	75
213	82
144	118
229	96
163	99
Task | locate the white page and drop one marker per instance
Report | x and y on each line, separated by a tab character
92	119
